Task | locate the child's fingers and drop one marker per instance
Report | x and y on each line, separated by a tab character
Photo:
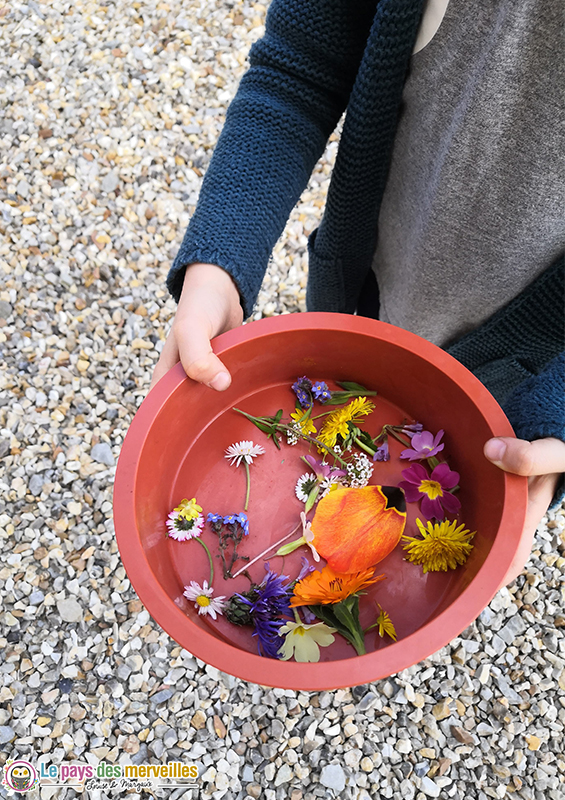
198	359
541	457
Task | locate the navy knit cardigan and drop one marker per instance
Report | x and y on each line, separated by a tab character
317	59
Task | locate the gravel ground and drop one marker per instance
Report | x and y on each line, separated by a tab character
109	114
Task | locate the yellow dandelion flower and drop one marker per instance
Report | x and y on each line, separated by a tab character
443	546
305	423
336	423
189	509
385	625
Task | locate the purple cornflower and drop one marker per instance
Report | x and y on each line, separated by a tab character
302	387
432	490
272	603
424	445
321	392
382	453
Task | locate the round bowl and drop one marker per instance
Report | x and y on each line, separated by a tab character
175	449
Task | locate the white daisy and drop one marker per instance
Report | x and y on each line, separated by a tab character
327	483
243	450
183	529
203	600
304	486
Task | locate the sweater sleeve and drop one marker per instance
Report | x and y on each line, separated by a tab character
287	105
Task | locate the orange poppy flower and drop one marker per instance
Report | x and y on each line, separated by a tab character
354	528
327	586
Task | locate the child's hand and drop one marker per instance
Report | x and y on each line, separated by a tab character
542	461
209	305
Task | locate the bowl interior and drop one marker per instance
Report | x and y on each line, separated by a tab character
182	455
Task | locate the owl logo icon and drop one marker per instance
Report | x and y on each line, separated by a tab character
20	776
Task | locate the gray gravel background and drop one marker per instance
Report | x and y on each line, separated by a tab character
109	114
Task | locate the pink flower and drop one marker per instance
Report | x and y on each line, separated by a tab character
424	445
432	489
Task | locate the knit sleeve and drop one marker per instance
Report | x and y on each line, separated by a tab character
288	103
536	410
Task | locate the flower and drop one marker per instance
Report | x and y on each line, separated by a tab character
243	450
302	423
336	422
184	528
189	509
327	587
359	470
203	600
423	445
304	486
304	641
306	538
443	546
270	602
432	490
322	469
354	529
414	427
302	388
321	392
330	483
382	452
385	625
292	437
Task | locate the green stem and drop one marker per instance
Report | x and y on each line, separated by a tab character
297	616
209	554
398	437
364	447
248	485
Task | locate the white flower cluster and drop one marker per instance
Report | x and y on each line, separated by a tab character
359	470
292	438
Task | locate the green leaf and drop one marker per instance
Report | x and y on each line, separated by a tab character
278	415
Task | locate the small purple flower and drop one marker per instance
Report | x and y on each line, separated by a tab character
321	392
424	445
322	469
414	427
244	522
302	387
306	569
432	490
382	452
231	519
215	518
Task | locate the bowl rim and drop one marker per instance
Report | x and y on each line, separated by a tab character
328	675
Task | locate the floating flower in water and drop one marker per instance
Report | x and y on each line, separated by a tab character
303	422
410	430
302	388
321	392
443	546
336	423
184	528
354	529
304	641
327	587
244	451
304	486
359	470
423	445
202	597
382	452
267	603
385	625
432	490
306	538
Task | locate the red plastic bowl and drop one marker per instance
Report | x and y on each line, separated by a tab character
175	448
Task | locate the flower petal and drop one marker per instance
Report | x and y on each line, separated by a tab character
447	477
356	528
305	648
451	503
431	508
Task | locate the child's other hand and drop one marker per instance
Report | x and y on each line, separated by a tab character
542	462
209	305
